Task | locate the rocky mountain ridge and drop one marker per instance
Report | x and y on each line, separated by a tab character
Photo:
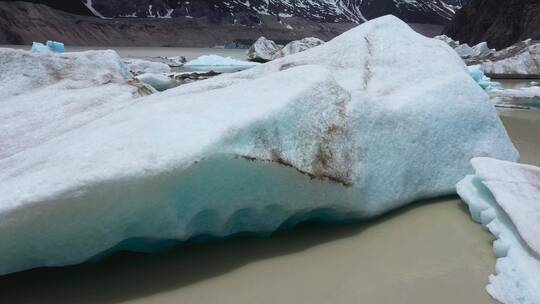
500	23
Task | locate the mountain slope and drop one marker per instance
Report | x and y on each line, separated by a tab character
23	22
248	12
499	22
71	6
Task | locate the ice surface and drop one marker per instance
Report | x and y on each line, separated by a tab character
44	96
215	60
347	130
159	82
505	198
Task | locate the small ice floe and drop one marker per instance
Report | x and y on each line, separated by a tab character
218	61
159	82
49	47
264	50
467	52
505	198
175	61
298	46
523	98
141	66
483	81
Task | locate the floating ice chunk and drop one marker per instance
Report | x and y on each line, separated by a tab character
521	59
510	194
526	92
141	66
298	46
159	82
215	60
470	54
263	50
50	47
451	42
55	46
527	97
38	47
483	81
344	131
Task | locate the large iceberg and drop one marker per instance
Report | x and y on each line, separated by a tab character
520	59
345	131
505	198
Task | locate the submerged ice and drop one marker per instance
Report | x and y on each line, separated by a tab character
347	130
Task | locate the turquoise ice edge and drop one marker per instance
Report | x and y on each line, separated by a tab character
152	245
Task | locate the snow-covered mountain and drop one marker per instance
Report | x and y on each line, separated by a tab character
247	11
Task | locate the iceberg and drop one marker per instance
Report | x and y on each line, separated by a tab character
520	59
55	46
345	131
477	73
218	61
298	46
50	47
504	197
159	82
263	50
141	66
38	47
469	54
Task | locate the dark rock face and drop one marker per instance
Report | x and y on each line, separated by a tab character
71	6
500	23
249	12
